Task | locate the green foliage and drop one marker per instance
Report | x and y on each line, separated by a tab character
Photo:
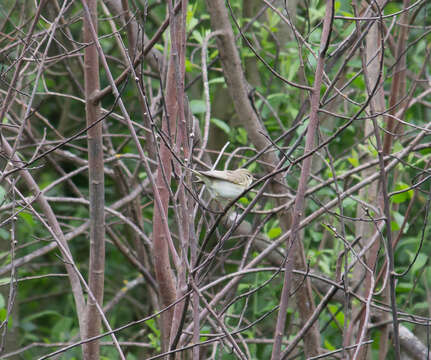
391	8
2	194
221	125
274	233
354	160
239	135
154	335
403	196
198	106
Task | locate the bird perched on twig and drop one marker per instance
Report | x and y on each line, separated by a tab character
226	184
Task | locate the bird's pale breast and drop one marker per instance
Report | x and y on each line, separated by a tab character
226	189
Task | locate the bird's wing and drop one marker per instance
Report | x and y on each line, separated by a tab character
217	174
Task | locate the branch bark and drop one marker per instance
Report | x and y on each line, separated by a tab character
96	187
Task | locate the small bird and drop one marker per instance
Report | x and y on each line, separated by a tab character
226	184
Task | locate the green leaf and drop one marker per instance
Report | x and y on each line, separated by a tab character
399	219
274	232
346	13
421	306
217	80
2	194
197	36
372	149
399	198
4	281
301	128
5	235
241	137
191	21
397	146
151	323
328	345
420	262
328	173
277	99
354	159
28	218
324	264
221	125
339	315
159	47
3	314
404	196
62	329
244	201
391	8
188	65
293	70
41	314
213	54
198	106
404	287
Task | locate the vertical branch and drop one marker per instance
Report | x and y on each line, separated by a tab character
398	88
163	271
131	34
10	342
298	212
162	236
372	59
399	81
387	214
184	219
96	185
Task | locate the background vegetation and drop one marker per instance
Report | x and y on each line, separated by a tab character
104	105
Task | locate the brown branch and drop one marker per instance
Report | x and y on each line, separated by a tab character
91	350
399	79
